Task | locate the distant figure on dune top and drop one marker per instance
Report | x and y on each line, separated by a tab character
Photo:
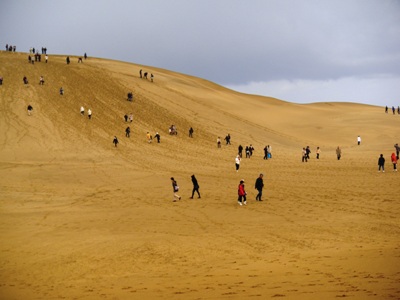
80	60
240	151
386	109
67	60
338	153
358	140
140	73
85	55
195	187
393	110
145	75
151	77
381	163
115	141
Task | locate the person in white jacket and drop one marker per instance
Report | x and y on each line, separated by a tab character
237	163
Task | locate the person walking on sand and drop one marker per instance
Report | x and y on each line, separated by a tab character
128	132
358	140
265	152
237	163
219	142
240	150
195	187
82	111
304	155
149	137
318	151
381	163
115	141
191	132
158	137
394	161
338	153
30	108
89	114
259	187
397	147
242	193
175	188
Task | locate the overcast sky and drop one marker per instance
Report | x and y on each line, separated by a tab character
295	50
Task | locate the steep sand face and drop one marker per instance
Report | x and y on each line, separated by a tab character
81	219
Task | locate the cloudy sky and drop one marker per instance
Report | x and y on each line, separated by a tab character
296	50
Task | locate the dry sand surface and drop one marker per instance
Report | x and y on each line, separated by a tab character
81	219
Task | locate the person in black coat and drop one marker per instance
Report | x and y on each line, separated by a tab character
195	187
259	187
381	163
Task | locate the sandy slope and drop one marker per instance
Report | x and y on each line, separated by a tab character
81	219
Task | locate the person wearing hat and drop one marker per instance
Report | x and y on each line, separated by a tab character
157	136
259	186
175	187
241	193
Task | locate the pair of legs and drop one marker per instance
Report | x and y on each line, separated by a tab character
259	195
381	167
176	196
195	190
242	200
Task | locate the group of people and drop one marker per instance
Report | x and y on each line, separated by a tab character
145	74
11	48
89	112
394	158
393	110
175	188
242	194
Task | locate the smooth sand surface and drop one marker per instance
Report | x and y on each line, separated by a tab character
81	219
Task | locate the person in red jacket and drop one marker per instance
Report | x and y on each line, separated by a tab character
242	193
394	162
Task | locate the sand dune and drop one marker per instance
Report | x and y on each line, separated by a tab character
81	219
